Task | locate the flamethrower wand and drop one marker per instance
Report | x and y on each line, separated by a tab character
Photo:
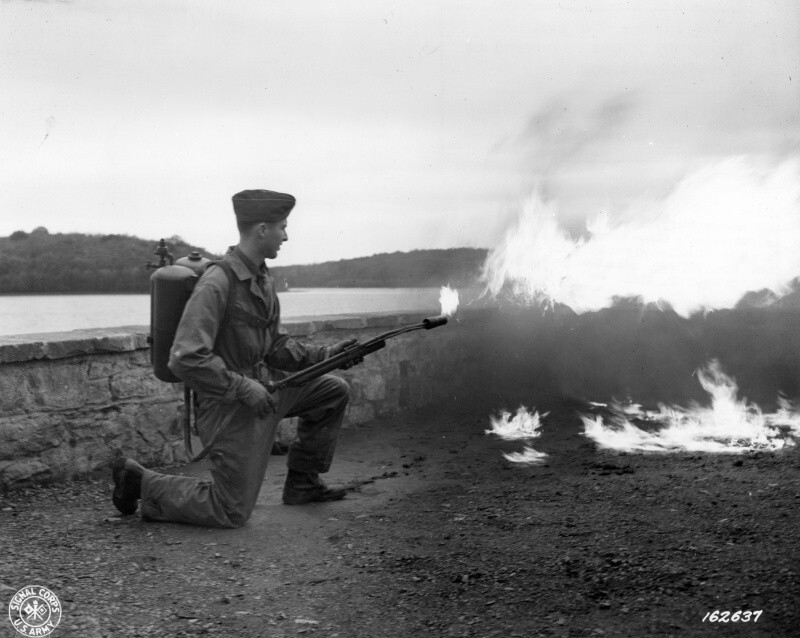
350	356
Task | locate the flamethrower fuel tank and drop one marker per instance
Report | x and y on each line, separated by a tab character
193	260
170	289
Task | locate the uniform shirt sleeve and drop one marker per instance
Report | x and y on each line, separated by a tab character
192	358
286	353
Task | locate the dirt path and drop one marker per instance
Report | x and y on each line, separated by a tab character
441	536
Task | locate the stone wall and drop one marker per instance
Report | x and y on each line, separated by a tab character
70	401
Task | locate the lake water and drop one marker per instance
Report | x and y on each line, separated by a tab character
29	314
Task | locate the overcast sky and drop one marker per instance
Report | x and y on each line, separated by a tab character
397	125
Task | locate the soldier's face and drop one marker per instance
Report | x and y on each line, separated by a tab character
272	236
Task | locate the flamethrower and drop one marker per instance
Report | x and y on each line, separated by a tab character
350	356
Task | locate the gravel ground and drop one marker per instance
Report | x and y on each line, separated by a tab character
440	536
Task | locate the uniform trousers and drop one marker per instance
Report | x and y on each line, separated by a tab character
240	452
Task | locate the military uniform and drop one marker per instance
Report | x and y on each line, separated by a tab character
216	351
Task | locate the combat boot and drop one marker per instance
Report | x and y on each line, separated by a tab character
301	488
127	475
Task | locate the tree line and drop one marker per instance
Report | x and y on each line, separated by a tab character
457	267
43	262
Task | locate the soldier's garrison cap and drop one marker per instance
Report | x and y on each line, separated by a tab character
262	206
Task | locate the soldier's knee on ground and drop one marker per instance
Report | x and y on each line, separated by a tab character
237	511
238	518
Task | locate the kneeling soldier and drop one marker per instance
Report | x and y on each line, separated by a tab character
224	354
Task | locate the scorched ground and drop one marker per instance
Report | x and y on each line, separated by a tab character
441	536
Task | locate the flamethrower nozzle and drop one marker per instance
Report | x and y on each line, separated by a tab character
434	322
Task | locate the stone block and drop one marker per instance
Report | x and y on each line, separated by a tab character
359	413
100	368
175	452
56	386
14	398
341	323
25	436
14	349
98	391
71	461
392	387
126	385
374	387
23	471
115	343
73	346
159	417
300	327
61	345
381	320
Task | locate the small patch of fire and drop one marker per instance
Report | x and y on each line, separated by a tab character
523	425
448	298
729	425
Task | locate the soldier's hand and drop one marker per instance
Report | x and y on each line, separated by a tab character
258	398
339	347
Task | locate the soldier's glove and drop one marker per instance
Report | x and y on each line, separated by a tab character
256	396
341	347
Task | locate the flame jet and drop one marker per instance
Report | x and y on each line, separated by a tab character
724	230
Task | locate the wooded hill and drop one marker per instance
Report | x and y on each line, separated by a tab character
457	267
41	262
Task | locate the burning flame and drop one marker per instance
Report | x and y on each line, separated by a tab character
522	425
528	456
730	425
724	230
448	298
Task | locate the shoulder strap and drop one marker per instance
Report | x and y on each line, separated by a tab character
231	301
231	310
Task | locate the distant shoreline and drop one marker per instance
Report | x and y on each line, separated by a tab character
147	292
71	294
40	263
29	314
